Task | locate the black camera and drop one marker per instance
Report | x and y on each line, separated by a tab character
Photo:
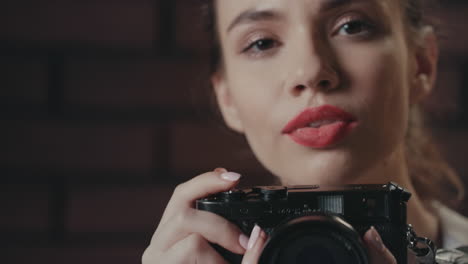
316	224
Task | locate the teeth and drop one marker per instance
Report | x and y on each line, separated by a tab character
320	123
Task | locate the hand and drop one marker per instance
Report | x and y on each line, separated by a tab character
255	246
184	233
377	252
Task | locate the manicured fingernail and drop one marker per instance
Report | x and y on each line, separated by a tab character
244	241
220	170
254	236
230	176
376	240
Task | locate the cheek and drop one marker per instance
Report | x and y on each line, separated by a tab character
378	77
255	95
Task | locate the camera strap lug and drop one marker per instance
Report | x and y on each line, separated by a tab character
425	254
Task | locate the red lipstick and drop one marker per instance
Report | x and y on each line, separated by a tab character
320	127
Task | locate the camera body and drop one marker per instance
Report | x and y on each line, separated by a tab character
346	209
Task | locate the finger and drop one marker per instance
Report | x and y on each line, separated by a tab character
255	246
377	251
203	185
193	249
210	226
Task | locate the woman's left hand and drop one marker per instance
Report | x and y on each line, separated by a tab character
377	252
255	246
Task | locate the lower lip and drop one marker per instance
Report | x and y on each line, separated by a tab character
323	136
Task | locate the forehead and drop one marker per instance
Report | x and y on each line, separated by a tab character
229	9
288	3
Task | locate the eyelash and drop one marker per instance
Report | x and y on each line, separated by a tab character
255	44
367	29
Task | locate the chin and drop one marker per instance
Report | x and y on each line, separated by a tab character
332	167
332	176
338	169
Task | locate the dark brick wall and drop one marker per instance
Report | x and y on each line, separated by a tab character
99	103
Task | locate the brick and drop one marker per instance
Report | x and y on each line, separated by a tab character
113	23
134	83
23	80
24	208
75	254
443	103
454	41
454	143
191	31
199	147
102	209
114	147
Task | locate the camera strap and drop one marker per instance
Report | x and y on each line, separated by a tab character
422	247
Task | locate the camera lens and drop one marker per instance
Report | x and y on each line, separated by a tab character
321	238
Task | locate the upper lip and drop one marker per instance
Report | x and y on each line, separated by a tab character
314	114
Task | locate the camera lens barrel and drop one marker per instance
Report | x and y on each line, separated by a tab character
320	238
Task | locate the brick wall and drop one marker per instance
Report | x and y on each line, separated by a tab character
97	99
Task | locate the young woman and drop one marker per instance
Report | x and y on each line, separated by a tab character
326	92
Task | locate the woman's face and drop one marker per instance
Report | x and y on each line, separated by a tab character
287	66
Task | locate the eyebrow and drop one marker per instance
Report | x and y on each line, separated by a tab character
331	4
253	15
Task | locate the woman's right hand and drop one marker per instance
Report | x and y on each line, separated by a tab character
184	233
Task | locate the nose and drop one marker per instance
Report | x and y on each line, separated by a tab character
316	69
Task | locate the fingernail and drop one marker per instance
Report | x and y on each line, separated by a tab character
376	240
254	236
220	170
244	241
230	176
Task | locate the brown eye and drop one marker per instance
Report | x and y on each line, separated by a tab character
356	27
261	45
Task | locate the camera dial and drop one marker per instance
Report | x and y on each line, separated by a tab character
232	195
271	192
